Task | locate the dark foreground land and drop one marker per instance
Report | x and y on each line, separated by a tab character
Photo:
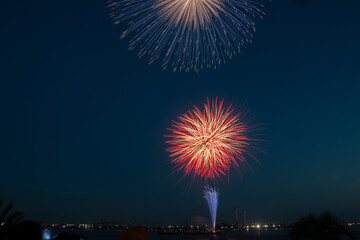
243	235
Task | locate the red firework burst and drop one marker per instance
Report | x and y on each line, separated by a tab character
207	143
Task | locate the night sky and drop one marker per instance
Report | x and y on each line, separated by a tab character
83	119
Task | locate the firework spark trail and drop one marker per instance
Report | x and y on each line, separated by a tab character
212	195
207	143
187	34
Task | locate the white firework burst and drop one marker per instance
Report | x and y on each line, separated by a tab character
187	34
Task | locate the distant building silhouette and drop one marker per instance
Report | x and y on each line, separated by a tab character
236	220
244	218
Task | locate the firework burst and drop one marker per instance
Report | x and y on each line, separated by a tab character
212	196
207	143
187	34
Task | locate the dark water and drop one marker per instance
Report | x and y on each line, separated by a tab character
251	235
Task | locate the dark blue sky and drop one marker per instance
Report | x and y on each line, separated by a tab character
82	119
